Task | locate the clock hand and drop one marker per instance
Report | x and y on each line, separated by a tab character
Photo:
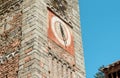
63	35
62	32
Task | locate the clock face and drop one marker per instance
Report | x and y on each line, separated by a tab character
60	33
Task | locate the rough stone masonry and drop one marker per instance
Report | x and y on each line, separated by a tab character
28	46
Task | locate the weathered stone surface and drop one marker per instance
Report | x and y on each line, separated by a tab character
10	38
24	37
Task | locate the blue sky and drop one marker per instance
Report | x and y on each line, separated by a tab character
100	23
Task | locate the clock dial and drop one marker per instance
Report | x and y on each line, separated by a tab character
60	33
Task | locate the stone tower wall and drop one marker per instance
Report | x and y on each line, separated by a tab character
10	37
37	56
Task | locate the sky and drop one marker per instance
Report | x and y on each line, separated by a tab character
100	23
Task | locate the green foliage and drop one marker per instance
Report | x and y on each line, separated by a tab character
99	74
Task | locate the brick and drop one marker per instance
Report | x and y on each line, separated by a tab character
28	50
27	59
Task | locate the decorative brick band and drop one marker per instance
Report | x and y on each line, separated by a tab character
4	58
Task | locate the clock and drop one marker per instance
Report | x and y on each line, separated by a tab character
60	33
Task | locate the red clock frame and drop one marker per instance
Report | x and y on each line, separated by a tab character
52	34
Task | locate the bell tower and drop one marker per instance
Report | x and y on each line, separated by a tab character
40	39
